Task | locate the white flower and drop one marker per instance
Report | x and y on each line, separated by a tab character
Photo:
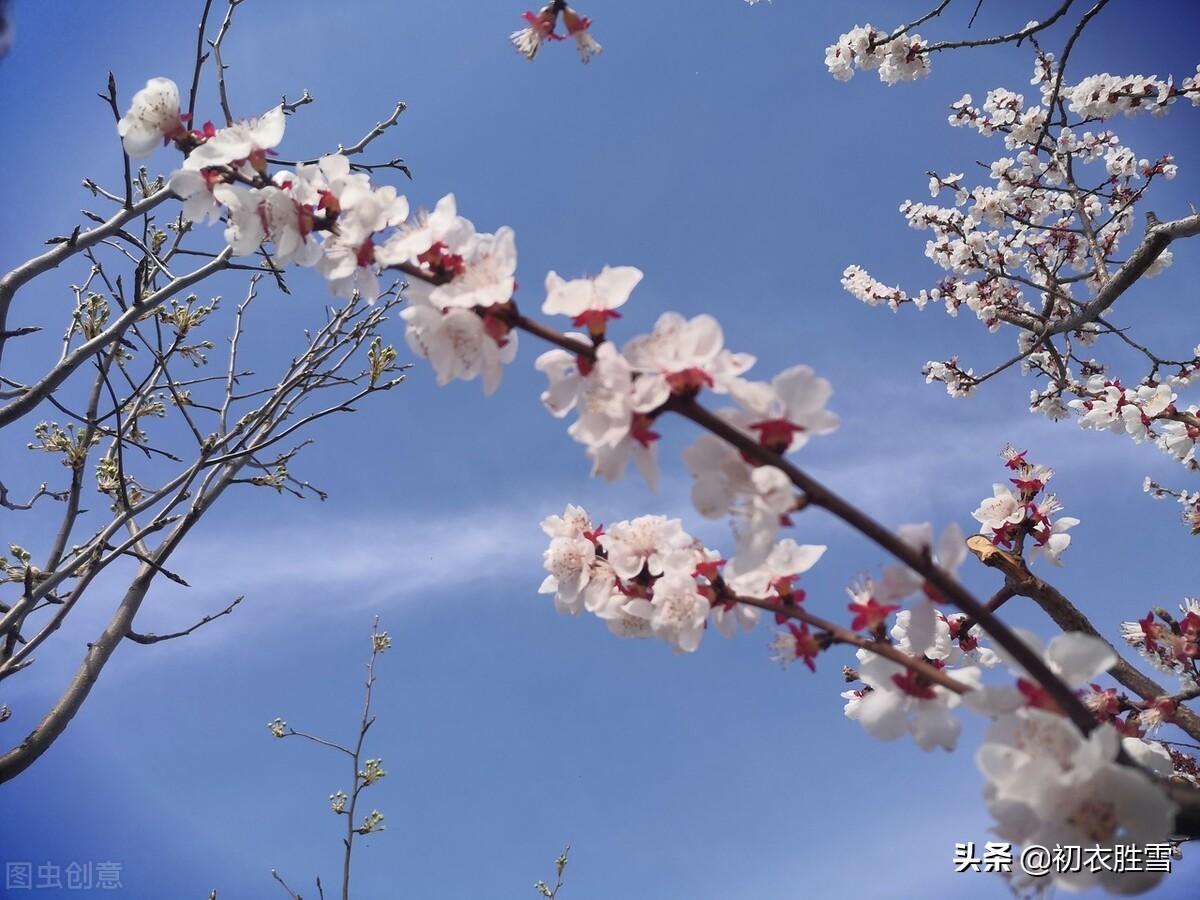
457	344
489	278
574	522
760	516
729	617
591	301
195	188
644	542
605	400
245	230
790	408
721	475
348	259
682	356
1149	756
898	582
443	229
1051	544
329	177
1004	507
1048	787
564	371
569	561
786	560
153	118
680	612
607	424
902	701
239	142
259	215
609	461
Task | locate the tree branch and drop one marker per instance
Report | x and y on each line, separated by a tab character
158	638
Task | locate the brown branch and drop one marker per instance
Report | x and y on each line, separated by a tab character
1159	236
201	56
63	251
949	586
904	29
1011	37
840	635
284	885
111	99
1062	69
216	46
42	491
1068	617
159	638
56	376
361	145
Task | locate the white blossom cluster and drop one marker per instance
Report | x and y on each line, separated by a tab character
1021	510
616	394
1169	643
1103	96
897	57
648	578
1029	247
1048	784
332	218
895	700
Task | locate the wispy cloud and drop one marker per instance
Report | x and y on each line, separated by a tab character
373	557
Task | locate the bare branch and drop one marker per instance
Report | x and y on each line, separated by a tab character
201	56
79	242
56	376
42	491
159	638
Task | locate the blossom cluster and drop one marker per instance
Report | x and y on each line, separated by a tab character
898	57
1043	235
1170	643
1045	782
648	578
895	700
1189	500
1103	96
1022	510
1048	784
330	217
616	395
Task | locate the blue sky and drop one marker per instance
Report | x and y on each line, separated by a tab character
710	148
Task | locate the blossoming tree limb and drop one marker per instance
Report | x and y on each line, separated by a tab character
1037	252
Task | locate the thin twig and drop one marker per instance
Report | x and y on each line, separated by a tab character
159	638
